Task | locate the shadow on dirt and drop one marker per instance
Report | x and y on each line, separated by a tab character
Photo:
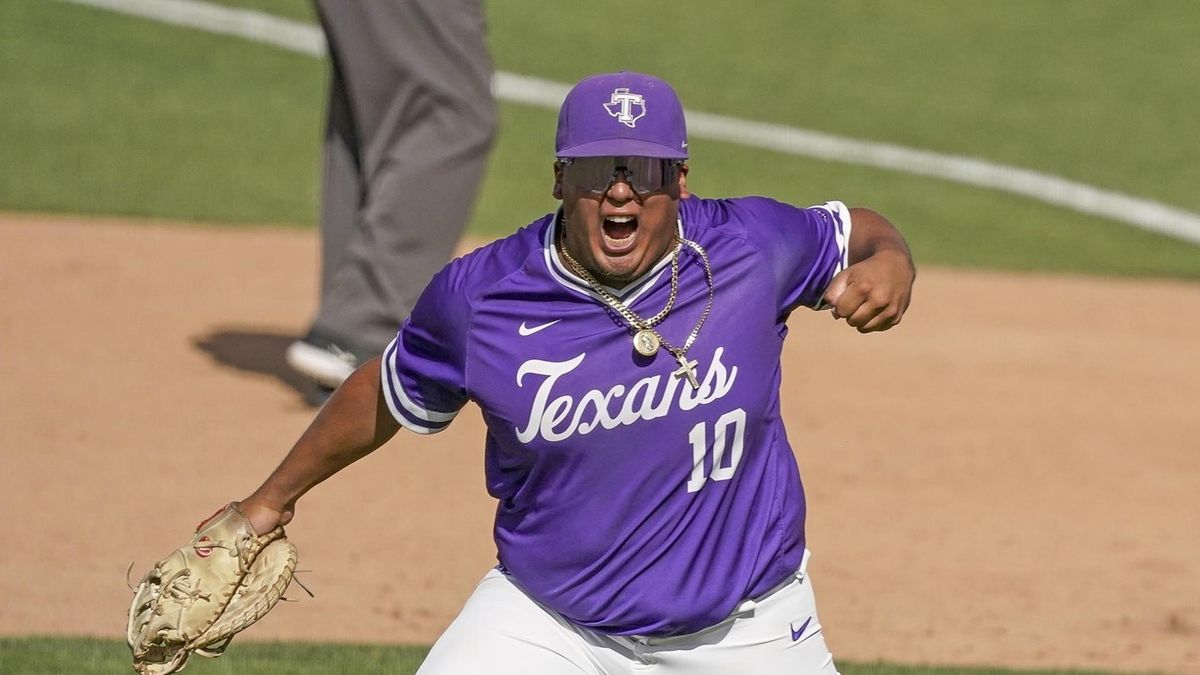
259	350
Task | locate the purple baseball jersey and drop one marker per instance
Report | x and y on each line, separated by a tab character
629	502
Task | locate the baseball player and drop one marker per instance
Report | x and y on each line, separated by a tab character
625	352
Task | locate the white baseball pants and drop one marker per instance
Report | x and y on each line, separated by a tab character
501	631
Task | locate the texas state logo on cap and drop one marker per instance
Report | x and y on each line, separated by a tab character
621	114
628	107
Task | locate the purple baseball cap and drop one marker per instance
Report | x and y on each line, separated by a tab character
621	114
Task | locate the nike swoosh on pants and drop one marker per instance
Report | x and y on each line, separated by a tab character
798	633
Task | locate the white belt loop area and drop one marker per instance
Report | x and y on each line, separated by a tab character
634	642
749	604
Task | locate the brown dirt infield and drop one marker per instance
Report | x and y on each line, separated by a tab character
1011	477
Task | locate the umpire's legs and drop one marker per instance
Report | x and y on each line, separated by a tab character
411	121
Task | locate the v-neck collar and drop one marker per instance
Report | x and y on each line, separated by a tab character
573	282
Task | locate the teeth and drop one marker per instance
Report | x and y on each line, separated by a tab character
621	219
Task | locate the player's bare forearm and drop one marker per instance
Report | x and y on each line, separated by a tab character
874	291
872	234
352	424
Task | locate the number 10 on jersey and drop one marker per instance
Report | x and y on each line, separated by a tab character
728	434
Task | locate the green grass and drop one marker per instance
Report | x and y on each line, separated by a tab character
71	656
117	115
1067	87
88	656
110	114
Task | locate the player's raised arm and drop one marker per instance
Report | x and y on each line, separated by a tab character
874	291
353	423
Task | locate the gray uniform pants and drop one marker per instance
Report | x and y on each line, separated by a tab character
411	119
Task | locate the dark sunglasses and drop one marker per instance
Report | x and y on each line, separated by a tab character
594	175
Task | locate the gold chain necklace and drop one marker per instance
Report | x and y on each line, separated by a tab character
646	339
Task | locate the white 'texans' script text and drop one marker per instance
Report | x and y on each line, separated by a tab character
562	417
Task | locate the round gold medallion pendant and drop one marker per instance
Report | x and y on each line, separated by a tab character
645	342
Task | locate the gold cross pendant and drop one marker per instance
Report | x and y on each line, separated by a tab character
687	369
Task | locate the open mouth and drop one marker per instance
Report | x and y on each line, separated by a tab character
620	233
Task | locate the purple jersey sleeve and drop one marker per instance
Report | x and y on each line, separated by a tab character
424	367
806	248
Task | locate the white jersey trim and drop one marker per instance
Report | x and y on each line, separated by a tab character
842	224
571	281
390	380
424	431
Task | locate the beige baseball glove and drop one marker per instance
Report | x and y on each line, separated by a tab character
197	598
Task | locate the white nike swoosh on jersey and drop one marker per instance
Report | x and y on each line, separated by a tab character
526	331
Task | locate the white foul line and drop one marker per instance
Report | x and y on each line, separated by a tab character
308	39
